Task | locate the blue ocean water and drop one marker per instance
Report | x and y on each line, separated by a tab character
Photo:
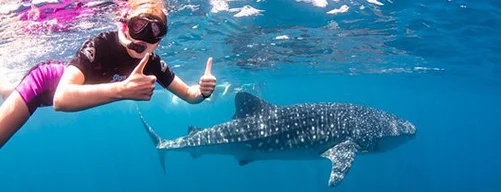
435	63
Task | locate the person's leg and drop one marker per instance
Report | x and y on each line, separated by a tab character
13	114
19	103
36	89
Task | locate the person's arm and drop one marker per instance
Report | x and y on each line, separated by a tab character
72	95
190	94
195	94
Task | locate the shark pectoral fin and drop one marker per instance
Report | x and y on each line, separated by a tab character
341	156
244	162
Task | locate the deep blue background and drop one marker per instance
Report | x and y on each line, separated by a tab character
442	75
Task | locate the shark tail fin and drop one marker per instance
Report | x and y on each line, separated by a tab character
157	140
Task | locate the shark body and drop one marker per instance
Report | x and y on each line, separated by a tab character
263	131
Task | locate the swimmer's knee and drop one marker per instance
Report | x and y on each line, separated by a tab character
5	92
13	114
15	102
5	89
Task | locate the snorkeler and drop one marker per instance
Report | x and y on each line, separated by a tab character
111	66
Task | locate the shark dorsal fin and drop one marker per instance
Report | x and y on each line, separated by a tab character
192	130
247	105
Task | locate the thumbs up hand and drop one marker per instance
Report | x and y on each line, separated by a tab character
139	86
207	81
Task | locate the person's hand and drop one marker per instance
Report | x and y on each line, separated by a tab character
207	81
139	86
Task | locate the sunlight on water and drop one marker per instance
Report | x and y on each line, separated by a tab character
436	63
239	34
337	37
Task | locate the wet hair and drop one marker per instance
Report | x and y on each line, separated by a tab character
153	7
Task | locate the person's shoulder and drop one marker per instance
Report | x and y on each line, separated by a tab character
155	57
157	60
99	43
158	63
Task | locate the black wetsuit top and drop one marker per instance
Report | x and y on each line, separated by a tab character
102	59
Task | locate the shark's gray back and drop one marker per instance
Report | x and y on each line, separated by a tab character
280	128
262	131
260	126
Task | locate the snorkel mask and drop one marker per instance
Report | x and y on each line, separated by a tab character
144	27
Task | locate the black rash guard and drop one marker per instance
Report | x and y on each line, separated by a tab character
102	59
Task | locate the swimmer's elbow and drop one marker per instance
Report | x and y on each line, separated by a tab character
58	104
61	104
58	107
64	107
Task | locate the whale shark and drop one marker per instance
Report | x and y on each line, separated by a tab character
260	130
